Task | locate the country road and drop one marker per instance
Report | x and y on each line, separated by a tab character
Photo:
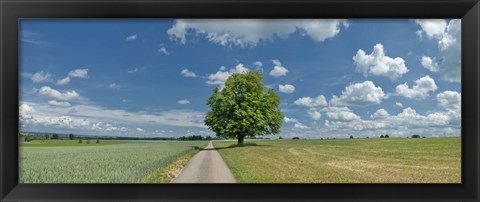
205	167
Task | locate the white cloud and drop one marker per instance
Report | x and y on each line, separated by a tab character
135	70
380	114
188	73
163	50
300	126
222	75
55	103
114	86
278	70
343	114
41	77
50	92
131	38
311	102
364	93
80	73
450	100
433	28
420	90
183	102
399	104
314	114
140	130
430	64
287	88
258	64
64	81
289	120
124	100
448	37
378	64
250	32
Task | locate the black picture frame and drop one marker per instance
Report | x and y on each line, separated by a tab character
13	10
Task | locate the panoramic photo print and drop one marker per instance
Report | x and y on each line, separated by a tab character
240	101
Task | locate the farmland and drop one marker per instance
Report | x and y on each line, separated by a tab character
387	160
110	161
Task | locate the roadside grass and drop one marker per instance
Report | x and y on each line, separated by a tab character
125	162
389	160
72	143
170	172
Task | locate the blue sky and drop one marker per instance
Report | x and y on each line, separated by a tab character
151	78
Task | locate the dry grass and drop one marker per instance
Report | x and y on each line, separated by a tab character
393	160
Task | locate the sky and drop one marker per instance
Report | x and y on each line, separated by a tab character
152	77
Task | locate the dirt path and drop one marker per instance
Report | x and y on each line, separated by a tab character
205	167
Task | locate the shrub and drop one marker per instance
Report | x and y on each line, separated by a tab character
80	141
386	136
424	137
351	136
280	137
381	136
88	141
415	136
295	138
98	141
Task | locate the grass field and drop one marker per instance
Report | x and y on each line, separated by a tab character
392	160
111	161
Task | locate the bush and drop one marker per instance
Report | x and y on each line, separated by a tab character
98	141
424	137
295	138
280	137
381	136
386	136
80	141
351	136
88	141
415	136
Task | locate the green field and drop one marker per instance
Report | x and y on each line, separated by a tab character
111	161
386	160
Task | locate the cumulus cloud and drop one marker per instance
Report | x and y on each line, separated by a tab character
187	73
55	103
80	73
41	77
164	51
287	88
278	70
430	64
311	102
343	114
183	102
300	126
289	120
140	130
399	104
64	81
364	93
52	93
380	114
423	86
448	37
314	114
378	64
250	32
257	64
131	37
222	75
114	86
450	100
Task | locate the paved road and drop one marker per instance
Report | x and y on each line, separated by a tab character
206	167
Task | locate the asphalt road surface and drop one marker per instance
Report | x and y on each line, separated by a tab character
207	166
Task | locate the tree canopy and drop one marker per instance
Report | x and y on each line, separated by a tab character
244	108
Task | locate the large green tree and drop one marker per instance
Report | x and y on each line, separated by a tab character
244	108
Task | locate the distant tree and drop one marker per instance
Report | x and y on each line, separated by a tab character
424	137
88	141
381	136
208	138
321	138
55	136
71	136
46	137
351	136
415	136
243	109
98	141
386	136
79	141
367	137
280	137
26	139
295	138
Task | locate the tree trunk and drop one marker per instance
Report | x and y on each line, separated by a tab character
240	139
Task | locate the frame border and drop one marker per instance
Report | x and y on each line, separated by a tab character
13	10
